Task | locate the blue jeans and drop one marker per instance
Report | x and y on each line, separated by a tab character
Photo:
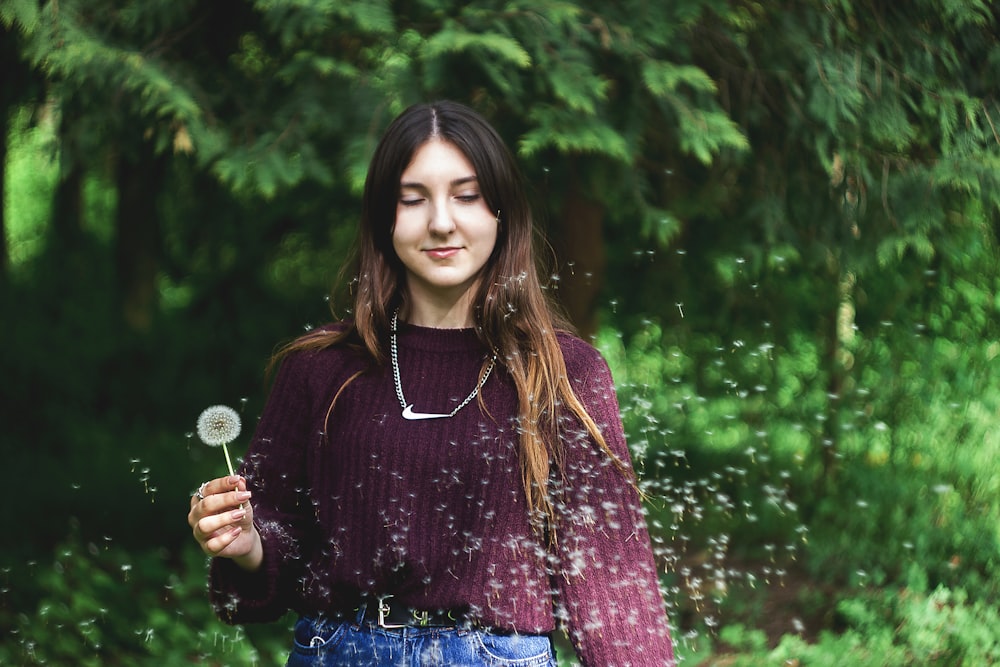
326	643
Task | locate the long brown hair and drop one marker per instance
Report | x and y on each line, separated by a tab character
511	312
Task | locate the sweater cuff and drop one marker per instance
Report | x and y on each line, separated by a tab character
241	596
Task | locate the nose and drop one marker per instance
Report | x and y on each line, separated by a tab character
441	221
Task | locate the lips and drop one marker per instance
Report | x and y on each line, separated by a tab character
442	253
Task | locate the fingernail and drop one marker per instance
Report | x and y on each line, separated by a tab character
243	495
234	479
238	514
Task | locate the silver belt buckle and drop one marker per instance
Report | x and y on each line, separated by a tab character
383	612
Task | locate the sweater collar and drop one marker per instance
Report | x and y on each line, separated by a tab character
430	339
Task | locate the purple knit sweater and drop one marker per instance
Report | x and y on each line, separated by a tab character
363	502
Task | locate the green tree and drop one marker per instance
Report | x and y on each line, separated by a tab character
784	188
20	86
577	88
873	150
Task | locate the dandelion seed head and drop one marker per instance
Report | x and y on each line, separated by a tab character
218	425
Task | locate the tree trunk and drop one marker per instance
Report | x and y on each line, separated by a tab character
582	256
15	90
137	251
836	329
67	207
4	247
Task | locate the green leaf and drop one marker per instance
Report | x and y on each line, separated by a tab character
705	133
301	17
570	132
309	62
373	16
22	13
662	78
660	225
892	250
452	40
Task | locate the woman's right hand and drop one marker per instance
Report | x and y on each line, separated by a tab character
221	519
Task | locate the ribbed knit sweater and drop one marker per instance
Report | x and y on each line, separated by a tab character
361	502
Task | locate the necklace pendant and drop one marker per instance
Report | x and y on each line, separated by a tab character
408	413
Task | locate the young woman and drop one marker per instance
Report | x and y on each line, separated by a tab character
442	479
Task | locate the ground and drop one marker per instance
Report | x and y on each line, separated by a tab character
791	604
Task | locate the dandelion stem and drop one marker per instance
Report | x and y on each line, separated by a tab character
229	461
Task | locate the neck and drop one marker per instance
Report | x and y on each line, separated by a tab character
424	313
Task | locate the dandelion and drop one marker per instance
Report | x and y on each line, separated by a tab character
219	425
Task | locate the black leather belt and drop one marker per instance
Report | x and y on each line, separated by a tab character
384	614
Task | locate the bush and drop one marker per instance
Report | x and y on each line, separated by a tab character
98	604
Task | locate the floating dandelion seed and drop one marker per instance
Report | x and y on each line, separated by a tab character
219	425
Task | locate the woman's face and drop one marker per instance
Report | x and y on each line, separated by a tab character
444	233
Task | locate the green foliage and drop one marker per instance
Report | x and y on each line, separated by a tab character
452	39
725	432
96	603
298	20
940	628
23	14
568	132
31	175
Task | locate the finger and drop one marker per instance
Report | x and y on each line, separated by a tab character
222	502
223	485
196	512
216	510
217	486
212	525
217	504
218	543
198	495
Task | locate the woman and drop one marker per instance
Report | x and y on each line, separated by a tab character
443	478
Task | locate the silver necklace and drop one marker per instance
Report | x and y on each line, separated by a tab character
408	412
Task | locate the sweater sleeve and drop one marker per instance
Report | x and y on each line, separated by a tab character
607	580
274	468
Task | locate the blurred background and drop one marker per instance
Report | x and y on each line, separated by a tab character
778	220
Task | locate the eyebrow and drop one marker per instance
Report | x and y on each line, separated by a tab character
458	181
